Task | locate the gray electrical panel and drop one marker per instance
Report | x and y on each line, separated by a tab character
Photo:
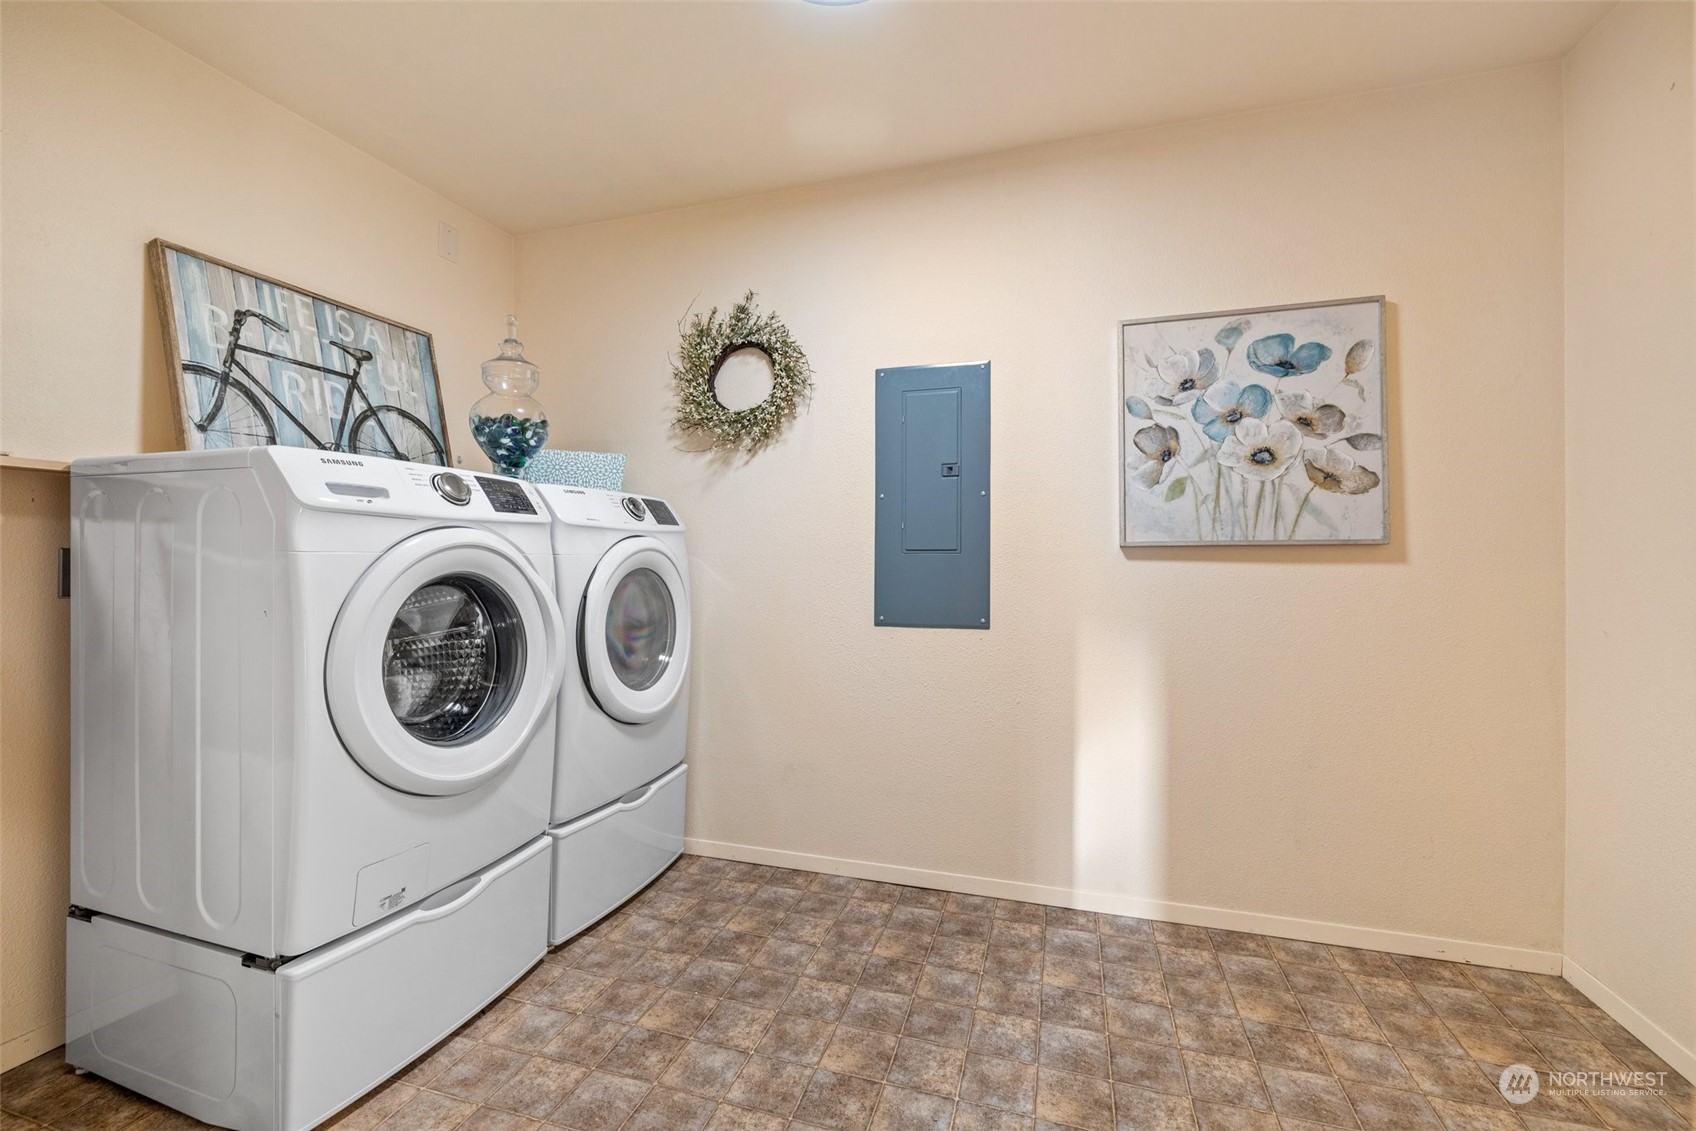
931	562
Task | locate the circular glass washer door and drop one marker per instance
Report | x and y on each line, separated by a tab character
633	636
445	658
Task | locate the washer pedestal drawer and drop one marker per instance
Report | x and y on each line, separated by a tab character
232	1043
603	858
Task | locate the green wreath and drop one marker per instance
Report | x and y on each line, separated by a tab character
707	342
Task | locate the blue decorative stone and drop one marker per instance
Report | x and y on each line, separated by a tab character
509	441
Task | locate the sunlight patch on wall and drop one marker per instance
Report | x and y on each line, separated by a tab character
1119	768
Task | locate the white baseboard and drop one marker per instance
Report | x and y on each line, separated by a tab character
1660	1042
28	1046
1280	926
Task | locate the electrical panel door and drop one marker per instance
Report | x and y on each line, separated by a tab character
931	560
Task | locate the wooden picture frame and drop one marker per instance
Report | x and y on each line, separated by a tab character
254	360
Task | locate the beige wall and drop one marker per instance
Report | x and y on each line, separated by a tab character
1362	744
1630	526
1368	737
114	137
34	762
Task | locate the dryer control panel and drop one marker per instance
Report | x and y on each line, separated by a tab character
586	506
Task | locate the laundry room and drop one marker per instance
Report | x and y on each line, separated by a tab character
658	564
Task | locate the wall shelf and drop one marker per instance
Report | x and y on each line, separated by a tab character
25	463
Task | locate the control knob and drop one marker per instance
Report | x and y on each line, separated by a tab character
452	487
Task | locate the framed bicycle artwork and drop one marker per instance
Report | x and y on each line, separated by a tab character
255	361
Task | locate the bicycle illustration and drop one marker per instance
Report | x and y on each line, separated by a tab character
235	417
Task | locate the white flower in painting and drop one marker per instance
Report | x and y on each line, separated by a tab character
1313	418
1185	375
1153	455
1332	470
1259	451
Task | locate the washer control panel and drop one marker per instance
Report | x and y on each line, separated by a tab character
343	482
505	495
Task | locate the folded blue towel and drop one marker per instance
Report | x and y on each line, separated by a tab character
603	470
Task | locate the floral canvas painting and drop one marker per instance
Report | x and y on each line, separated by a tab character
1255	427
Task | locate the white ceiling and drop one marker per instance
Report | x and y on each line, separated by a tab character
539	115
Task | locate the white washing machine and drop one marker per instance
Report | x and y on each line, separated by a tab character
622	572
313	710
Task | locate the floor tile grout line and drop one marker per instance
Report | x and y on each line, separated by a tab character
779	1008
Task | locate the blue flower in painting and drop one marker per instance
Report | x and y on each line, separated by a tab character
1231	333
1277	355
1228	404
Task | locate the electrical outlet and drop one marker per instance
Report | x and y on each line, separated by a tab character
447	241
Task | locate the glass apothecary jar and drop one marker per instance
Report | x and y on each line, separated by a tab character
508	423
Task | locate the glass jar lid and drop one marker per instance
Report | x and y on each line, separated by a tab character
511	372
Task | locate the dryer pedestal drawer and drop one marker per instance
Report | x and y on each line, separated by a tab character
603	858
240	1046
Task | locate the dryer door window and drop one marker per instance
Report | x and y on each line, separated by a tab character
452	659
445	658
641	629
633	637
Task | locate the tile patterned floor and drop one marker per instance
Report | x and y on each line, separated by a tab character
738	997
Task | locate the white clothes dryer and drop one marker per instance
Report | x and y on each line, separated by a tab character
622	571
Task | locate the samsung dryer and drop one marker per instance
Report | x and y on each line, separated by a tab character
622	572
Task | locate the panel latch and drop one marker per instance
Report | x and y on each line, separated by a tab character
951	471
